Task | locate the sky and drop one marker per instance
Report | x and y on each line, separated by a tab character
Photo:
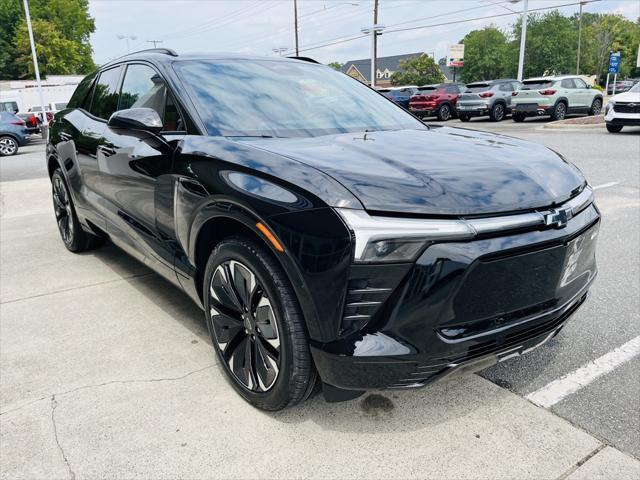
257	27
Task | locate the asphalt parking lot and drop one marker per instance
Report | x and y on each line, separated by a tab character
106	369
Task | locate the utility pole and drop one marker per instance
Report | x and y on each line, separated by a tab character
155	42
579	40
45	121
523	39
295	21
374	50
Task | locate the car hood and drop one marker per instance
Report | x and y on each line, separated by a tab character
441	171
626	97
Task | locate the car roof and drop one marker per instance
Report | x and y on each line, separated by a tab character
550	78
166	55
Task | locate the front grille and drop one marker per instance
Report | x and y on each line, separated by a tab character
627	107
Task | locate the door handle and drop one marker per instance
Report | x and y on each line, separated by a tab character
193	186
65	136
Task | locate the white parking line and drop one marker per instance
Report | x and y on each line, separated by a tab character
606	185
557	390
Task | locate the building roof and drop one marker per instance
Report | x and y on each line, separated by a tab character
391	63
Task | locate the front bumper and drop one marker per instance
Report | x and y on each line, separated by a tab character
625	119
462	306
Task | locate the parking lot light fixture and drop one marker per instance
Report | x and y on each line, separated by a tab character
373	31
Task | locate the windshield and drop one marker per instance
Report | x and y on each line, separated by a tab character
263	98
635	88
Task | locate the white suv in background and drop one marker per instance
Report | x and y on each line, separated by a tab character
623	109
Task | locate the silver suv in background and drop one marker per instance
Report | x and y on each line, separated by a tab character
491	97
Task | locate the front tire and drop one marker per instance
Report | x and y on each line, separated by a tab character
256	325
464	117
614	128
497	113
444	112
73	236
596	107
8	146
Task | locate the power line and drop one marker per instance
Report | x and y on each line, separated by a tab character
350	39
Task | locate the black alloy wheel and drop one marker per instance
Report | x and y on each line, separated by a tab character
256	326
71	232
444	112
614	128
8	146
464	117
596	107
519	117
497	113
559	112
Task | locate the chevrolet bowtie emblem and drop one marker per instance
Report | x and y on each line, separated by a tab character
556	218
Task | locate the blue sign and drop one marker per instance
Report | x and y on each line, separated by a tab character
614	62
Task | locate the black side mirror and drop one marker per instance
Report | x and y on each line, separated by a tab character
136	119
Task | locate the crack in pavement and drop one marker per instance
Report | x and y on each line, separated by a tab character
54	405
110	382
582	461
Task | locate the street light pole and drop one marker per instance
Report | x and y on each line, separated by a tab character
523	39
373	31
45	121
374	49
579	40
295	22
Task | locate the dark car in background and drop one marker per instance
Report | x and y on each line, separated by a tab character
356	247
437	100
491	97
399	95
13	134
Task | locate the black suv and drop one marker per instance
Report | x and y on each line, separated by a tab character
354	246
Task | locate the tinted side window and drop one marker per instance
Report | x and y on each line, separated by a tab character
105	95
567	83
82	92
506	87
452	89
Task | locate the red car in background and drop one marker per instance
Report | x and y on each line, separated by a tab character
437	100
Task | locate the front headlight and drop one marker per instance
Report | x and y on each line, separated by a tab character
387	239
609	106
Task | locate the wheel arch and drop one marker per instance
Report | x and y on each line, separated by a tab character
52	164
564	100
209	230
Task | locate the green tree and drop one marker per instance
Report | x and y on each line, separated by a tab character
603	33
417	71
61	30
485	55
551	47
336	65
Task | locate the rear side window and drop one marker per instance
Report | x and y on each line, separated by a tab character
105	94
82	92
567	83
506	87
452	89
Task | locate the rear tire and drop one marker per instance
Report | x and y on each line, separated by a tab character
614	128
559	111
497	113
519	117
258	332
8	146
596	107
73	236
444	112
